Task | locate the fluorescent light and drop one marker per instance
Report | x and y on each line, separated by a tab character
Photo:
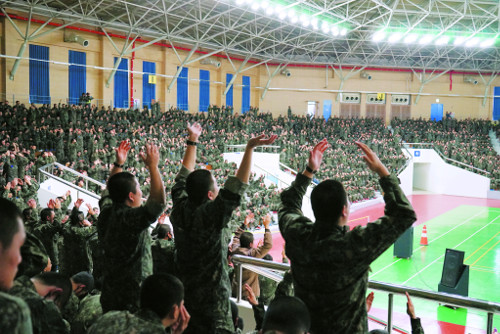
487	43
410	38
314	23
459	40
472	41
281	12
270	10
335	31
239	2
325	27
255	5
426	39
442	40
291	13
343	32
264	4
378	36
395	37
304	19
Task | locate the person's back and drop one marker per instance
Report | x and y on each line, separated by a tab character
330	264
200	218
163	251
123	231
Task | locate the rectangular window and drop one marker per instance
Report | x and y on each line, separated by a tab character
245	97
204	90
229	95
182	90
39	74
121	99
496	104
77	76
148	89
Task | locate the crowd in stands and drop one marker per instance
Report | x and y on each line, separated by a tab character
466	141
77	267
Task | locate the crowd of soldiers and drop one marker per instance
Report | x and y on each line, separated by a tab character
466	141
85	138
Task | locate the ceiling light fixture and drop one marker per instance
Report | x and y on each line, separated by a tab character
343	32
395	37
378	36
459	40
426	39
325	27
442	40
411	38
487	43
472	41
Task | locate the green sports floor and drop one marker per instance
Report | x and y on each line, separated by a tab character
469	228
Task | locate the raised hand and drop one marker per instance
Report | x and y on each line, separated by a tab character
316	155
152	155
410	309
372	160
78	203
194	131
261	140
182	321
369	301
251	295
121	152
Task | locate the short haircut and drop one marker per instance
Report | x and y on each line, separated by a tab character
288	315
163	230
328	199
27	213
268	257
59	280
160	292
47	212
198	183
84	278
9	222
120	185
246	238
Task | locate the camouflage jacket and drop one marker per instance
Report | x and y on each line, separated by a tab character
45	316
330	264
14	315
124	322
124	238
201	240
163	256
88	312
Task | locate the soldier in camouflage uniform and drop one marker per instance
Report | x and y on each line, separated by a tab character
123	230
330	263
14	313
200	217
45	309
47	231
161	307
163	250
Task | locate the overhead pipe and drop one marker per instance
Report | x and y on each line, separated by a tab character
382	69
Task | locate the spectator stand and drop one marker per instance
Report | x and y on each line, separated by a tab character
56	179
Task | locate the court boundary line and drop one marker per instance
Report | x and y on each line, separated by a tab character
441	256
487	242
496	243
420	248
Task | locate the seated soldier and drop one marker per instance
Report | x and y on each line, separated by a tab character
14	313
161	307
46	294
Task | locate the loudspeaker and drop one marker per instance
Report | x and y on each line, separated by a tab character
403	247
452	267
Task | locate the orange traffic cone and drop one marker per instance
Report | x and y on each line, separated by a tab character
423	238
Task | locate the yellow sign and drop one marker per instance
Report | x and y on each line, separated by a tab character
152	79
381	96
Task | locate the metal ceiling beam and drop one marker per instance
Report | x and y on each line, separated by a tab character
179	69
233	79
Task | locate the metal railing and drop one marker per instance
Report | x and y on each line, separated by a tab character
47	172
269	268
452	161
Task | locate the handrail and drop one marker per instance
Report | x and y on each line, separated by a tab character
78	173
69	184
247	262
87	179
446	158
